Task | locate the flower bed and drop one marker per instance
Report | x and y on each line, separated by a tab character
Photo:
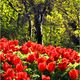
33	61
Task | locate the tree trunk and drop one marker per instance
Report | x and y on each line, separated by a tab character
30	28
38	28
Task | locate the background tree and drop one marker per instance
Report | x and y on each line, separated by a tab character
51	21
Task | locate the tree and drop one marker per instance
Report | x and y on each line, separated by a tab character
53	21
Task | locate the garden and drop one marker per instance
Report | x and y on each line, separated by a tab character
39	40
33	61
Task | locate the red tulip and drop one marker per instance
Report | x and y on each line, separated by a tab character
8	78
51	66
19	67
5	66
41	59
63	65
42	67
31	58
24	49
21	76
73	74
16	60
10	72
45	77
16	42
2	58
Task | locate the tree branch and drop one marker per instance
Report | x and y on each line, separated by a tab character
10	4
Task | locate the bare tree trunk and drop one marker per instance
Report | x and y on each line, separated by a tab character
30	29
38	28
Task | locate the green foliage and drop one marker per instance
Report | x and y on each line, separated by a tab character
53	28
39	1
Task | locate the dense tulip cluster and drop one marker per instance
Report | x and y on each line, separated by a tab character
33	61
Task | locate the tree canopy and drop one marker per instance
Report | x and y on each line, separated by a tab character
45	21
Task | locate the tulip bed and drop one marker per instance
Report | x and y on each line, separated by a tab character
33	61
